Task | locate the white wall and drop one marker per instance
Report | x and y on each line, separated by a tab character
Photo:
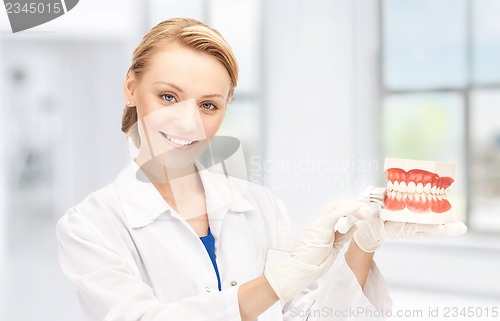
75	65
3	185
94	149
319	79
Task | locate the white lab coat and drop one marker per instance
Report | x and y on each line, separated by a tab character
131	257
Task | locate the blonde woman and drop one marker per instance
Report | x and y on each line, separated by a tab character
168	240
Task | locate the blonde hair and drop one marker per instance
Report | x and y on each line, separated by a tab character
189	32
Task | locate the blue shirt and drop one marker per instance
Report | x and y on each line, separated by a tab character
209	243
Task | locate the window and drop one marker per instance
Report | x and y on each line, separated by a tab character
441	95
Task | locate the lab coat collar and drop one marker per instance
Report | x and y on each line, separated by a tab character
223	193
143	204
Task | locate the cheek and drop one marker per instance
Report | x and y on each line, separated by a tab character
212	123
145	106
143	111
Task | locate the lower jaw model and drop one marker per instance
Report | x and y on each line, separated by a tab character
417	191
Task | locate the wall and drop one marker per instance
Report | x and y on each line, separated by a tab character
318	105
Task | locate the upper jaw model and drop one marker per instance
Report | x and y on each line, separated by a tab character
417	191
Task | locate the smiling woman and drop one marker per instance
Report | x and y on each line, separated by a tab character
168	240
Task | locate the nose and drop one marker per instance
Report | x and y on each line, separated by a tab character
187	117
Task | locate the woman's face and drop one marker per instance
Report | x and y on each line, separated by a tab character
181	99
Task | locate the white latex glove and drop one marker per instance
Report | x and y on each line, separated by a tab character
316	250
370	233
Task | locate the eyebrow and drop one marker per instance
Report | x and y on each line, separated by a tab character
171	85
182	91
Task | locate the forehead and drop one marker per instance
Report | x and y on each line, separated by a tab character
191	70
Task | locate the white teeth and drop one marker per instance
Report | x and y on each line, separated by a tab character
179	141
414	191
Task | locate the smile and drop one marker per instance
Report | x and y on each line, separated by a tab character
178	142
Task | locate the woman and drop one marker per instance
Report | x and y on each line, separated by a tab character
168	240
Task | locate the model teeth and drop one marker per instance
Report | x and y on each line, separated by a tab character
178	141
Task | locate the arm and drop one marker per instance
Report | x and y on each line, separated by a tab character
255	297
354	283
108	289
359	262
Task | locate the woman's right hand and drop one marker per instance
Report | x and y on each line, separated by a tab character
318	247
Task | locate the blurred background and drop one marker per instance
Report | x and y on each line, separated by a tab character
328	89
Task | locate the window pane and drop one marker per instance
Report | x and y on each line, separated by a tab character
224	16
486	41
428	127
242	121
485	160
424	43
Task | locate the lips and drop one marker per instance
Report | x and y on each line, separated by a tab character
418	190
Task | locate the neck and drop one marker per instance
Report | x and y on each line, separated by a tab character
176	185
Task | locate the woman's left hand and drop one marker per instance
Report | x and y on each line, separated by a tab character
370	233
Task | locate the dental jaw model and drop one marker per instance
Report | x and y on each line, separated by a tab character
417	191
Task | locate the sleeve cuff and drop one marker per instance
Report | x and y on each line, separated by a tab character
342	296
232	304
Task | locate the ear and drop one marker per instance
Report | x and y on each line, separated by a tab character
129	89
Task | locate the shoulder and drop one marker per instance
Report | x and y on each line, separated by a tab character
272	211
262	197
102	207
103	200
99	209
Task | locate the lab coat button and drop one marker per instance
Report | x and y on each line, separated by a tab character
234	283
207	289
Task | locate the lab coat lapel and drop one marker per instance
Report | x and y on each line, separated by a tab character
227	210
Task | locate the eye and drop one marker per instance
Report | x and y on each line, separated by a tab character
208	106
168	97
